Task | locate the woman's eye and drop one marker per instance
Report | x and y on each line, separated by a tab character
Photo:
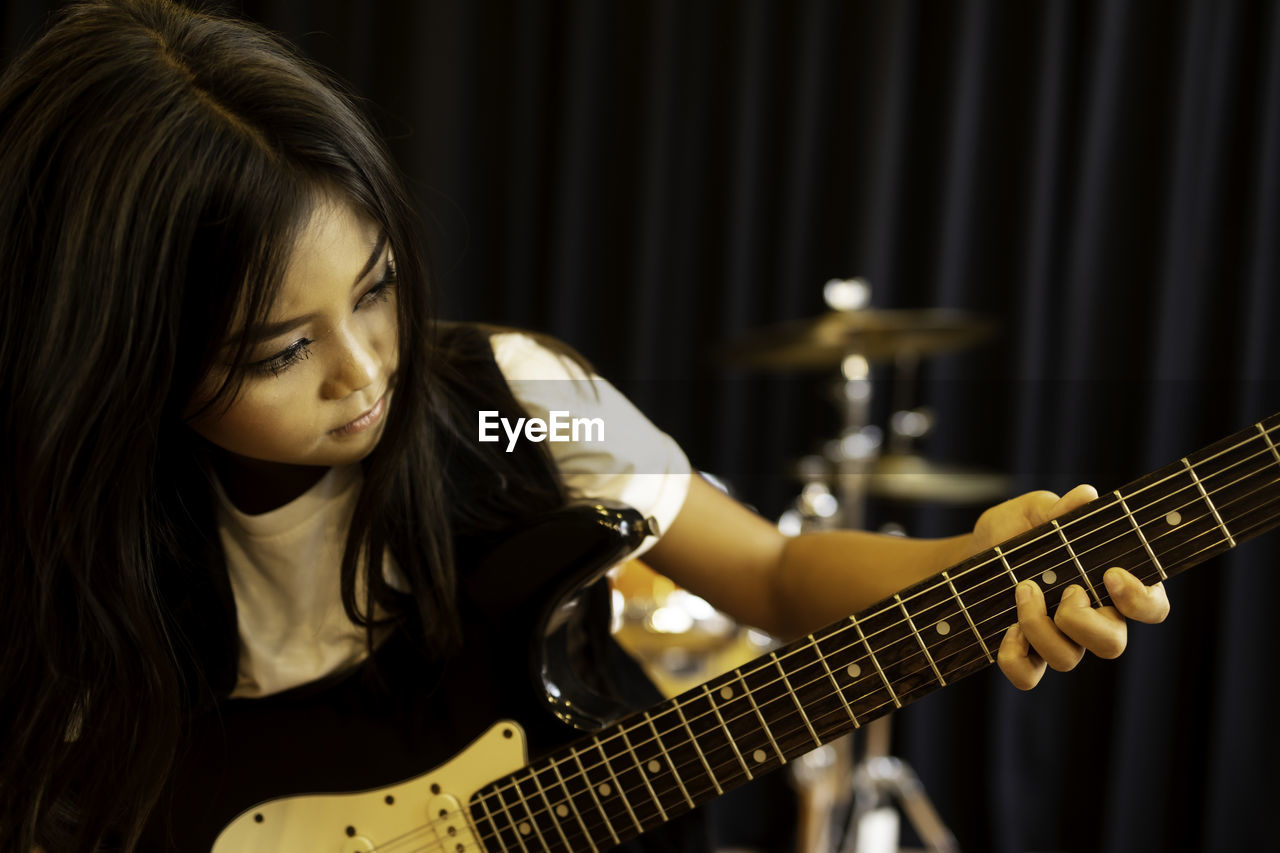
282	361
382	290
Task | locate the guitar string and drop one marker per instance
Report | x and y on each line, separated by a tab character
1252	437
732	763
481	837
537	813
915	653
872	677
1191	489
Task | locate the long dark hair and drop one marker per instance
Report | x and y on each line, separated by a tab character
155	164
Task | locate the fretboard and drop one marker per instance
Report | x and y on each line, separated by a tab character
657	764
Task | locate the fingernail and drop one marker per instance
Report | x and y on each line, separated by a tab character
1114	581
1023	592
1071	592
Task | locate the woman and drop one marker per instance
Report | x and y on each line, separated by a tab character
225	395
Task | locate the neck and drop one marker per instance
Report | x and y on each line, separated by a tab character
254	486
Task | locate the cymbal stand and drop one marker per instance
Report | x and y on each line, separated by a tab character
880	782
854	454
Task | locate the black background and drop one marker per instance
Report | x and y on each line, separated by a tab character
650	179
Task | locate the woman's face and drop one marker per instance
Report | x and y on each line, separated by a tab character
323	367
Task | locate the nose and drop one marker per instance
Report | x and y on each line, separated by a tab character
357	365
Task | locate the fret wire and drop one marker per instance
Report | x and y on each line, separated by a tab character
1230	540
834	683
867	645
1076	560
760	717
1267	438
912	625
497	831
674	772
968	618
694	740
1004	560
794	698
591	789
551	812
662	813
515	825
727	733
1138	529
528	812
586	833
617	786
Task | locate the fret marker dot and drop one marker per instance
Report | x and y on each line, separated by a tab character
726	692
854	670
1174	518
1049	577
944	628
759	755
525	829
654	766
562	810
604	789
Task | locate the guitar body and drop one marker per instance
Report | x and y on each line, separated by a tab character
349	734
425	812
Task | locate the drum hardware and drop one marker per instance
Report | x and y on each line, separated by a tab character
878	783
822	780
815	508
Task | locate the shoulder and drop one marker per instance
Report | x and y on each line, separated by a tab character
603	446
523	355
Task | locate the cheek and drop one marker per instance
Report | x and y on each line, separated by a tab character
260	421
386	334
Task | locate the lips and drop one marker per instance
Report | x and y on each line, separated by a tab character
365	421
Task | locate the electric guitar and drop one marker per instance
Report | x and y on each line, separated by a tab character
641	771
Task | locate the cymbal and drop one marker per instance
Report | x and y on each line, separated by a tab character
907	477
877	335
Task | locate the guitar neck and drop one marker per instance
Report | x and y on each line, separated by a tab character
656	764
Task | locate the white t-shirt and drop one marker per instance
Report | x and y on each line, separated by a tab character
284	565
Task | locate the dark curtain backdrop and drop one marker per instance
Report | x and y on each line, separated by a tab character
649	179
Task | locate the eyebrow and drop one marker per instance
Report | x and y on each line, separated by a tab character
267	331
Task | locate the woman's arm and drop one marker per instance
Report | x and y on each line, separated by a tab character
741	564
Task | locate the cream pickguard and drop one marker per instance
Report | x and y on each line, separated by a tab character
426	813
